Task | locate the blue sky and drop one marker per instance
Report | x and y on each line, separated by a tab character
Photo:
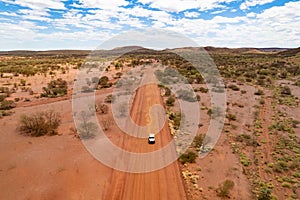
85	24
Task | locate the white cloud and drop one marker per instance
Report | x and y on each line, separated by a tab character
103	4
191	14
250	3
40	15
38	4
276	26
8	14
218	12
182	5
251	14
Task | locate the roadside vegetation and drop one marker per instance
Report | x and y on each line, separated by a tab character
40	123
267	148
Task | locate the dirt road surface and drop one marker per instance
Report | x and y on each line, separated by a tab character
165	183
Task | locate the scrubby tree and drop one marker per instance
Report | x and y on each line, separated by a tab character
285	90
40	123
189	157
102	109
224	189
170	101
55	88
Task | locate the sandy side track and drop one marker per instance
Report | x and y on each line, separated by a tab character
166	183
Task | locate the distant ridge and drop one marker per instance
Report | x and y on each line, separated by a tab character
45	53
244	49
139	49
290	52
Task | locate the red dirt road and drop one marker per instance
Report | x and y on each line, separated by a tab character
165	183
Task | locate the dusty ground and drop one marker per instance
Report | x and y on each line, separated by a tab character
59	167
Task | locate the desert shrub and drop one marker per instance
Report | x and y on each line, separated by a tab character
198	140
186	95
218	89
86	89
203	90
188	157
103	82
103	109
280	166
119	74
95	80
224	189
286	185
234	87
295	164
296	174
285	90
262	101
175	118
107	123
5	90
167	92
170	101
265	194
244	160
109	98
87	130
247	139
55	88
22	82
297	83
40	123
259	92
231	117
2	97
214	112
4	113
7	105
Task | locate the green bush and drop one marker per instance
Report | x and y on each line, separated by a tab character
170	101
285	90
214	112
203	90
244	160
103	82
265	194
259	92
198	140
55	88
280	166
286	185
186	95
167	92
175	118
7	105
224	189
2	97
87	130
189	157
234	87
231	117
40	123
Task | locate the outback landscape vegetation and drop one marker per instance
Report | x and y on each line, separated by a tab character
256	157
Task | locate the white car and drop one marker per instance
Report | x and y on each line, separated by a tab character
151	138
